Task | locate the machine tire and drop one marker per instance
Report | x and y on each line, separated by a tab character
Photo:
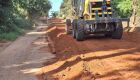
80	30
108	34
117	34
74	26
68	26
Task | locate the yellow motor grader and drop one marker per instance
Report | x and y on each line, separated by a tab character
93	17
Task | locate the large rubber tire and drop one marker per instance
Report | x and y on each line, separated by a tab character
74	26
80	30
117	34
68	26
108	34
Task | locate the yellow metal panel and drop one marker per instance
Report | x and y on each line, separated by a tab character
101	8
101	13
109	8
92	18
86	7
96	8
98	0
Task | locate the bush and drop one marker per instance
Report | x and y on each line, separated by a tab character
13	28
14	13
9	36
23	23
123	7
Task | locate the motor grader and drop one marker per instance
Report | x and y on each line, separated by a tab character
93	17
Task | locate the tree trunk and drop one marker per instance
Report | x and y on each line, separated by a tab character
134	14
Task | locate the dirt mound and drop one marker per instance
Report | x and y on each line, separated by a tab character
95	58
63	43
54	19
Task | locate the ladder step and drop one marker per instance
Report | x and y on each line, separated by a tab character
109	8
101	13
99	0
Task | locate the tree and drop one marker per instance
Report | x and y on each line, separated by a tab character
18	14
65	9
136	12
123	7
54	14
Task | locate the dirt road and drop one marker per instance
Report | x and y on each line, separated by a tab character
97	58
23	57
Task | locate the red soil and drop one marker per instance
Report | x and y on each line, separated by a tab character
97	58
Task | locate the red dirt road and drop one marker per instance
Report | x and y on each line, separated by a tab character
97	58
22	59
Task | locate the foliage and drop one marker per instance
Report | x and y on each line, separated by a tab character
136	6
54	14
16	15
123	7
10	35
65	9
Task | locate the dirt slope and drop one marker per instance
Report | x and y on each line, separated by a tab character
96	58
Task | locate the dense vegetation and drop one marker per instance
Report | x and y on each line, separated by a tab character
65	9
54	13
18	15
124	8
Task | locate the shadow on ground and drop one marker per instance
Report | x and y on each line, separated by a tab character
95	58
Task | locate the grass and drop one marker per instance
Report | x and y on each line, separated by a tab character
11	36
17	28
14	26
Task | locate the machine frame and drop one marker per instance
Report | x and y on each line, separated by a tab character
94	17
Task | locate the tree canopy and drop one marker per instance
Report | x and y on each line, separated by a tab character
65	9
123	7
18	14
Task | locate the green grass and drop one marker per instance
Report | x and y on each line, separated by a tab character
15	29
11	35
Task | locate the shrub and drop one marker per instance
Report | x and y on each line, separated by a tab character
23	23
9	36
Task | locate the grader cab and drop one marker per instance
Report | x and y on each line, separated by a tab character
93	17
